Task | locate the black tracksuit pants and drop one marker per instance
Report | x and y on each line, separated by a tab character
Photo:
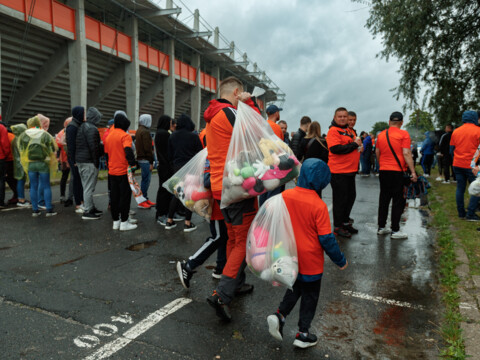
121	195
391	189
309	292
343	197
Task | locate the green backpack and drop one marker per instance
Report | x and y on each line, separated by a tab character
36	150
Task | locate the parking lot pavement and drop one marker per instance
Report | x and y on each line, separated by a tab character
71	289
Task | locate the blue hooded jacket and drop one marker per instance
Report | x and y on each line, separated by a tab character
315	175
428	145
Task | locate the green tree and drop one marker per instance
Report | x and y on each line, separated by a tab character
437	44
418	123
379	126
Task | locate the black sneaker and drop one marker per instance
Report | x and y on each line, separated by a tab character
162	220
36	213
97	212
178	217
473	217
221	309
350	228
90	216
275	326
190	228
184	274
50	212
170	225
303	341
244	289
351	221
68	203
216	273
340	231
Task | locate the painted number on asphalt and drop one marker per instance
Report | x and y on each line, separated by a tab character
104	330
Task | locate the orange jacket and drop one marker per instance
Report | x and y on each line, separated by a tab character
220	118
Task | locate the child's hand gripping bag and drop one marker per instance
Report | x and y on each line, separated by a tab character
188	185
257	160
271	247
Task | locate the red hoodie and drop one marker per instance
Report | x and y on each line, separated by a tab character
220	118
4	142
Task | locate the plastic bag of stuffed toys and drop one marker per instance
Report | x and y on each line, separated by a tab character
257	160
474	188
271	247
191	185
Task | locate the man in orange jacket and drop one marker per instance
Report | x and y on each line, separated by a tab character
220	118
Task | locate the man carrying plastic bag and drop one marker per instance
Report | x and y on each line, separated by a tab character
220	118
257	160
313	235
188	186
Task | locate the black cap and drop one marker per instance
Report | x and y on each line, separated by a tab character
396	116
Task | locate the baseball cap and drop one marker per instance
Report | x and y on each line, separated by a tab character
396	116
272	109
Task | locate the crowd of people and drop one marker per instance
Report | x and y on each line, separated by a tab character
28	153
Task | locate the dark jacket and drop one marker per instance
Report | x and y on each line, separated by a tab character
164	167
444	144
183	144
71	132
296	141
367	146
313	148
143	140
88	146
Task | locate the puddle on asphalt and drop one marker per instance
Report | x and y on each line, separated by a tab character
6	248
141	246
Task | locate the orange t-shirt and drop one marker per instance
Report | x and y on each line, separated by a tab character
400	139
276	129
309	216
115	145
11	136
466	140
342	163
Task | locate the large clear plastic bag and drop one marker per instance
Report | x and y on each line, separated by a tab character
257	160
271	247
189	186
474	188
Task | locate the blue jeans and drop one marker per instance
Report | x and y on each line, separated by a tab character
40	181
365	160
463	175
21	188
146	176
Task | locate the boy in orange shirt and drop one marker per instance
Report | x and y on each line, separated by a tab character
313	235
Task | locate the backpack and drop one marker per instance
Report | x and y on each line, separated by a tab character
36	150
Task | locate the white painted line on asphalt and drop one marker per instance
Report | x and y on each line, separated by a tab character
379	299
128	336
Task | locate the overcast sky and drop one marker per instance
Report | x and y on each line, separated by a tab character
318	52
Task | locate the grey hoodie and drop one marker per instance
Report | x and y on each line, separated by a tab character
88	144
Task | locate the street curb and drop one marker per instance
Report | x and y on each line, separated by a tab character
469	291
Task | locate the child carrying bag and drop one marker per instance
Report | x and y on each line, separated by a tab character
188	185
257	160
271	247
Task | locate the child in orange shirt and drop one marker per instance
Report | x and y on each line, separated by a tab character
313	236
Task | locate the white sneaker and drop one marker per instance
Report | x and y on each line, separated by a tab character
439	178
399	235
116	225
80	210
131	212
446	182
126	225
383	231
132	220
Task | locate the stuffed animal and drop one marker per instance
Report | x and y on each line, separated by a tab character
203	208
284	271
201	193
257	262
268	148
231	193
171	184
247	171
261	236
233	173
286	162
179	191
249	183
258	188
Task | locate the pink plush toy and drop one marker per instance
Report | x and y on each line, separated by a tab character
258	261
261	237
249	183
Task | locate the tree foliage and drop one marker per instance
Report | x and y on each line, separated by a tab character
418	123
379	126
437	44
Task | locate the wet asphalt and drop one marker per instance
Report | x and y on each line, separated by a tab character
69	288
